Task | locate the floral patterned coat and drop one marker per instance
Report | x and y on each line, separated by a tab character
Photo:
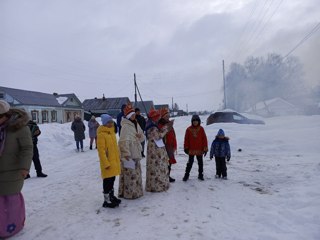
157	179
130	183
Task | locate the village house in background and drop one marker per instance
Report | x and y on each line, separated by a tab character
44	107
274	107
98	106
143	106
160	106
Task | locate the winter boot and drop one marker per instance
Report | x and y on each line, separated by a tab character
171	179
142	154
82	150
114	198
200	177
90	147
108	203
28	176
41	174
186	177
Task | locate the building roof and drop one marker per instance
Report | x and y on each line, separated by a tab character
104	103
160	106
25	97
142	105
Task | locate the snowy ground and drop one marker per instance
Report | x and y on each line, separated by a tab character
273	190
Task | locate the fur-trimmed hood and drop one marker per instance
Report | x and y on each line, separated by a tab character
18	119
223	139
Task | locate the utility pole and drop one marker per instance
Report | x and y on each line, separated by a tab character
135	90
224	86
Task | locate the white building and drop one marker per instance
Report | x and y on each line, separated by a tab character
44	107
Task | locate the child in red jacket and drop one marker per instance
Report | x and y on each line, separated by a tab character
195	144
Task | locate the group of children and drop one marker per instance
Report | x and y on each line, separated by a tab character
160	129
196	145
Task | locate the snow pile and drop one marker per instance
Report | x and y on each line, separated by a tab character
272	192
61	100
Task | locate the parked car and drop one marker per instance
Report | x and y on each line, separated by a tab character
234	117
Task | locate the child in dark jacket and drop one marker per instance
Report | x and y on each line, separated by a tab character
220	149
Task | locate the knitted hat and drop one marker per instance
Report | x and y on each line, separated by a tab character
154	115
105	118
220	133
4	107
128	110
164	111
195	118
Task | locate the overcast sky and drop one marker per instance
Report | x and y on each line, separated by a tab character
176	47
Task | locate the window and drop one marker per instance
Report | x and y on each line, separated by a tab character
237	117
53	116
35	116
44	115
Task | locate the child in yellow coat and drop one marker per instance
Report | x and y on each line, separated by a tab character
109	159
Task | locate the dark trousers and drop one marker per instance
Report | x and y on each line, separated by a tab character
221	168
36	159
81	144
143	144
190	163
108	184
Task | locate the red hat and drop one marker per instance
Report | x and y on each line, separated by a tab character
154	115
128	109
164	111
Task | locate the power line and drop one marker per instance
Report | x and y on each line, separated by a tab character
266	24
309	35
256	27
241	46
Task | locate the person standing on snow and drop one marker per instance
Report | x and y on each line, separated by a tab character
109	160
78	128
130	184
35	133
195	144
169	140
93	126
119	118
157	179
220	149
16	150
142	122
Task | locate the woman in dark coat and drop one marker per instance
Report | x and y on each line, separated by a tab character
78	128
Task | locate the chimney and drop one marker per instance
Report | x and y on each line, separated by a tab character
103	98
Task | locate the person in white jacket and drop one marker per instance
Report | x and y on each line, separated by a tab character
131	137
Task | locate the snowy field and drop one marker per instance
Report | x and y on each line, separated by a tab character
273	191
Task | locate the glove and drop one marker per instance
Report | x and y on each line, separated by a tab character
228	158
205	154
186	151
